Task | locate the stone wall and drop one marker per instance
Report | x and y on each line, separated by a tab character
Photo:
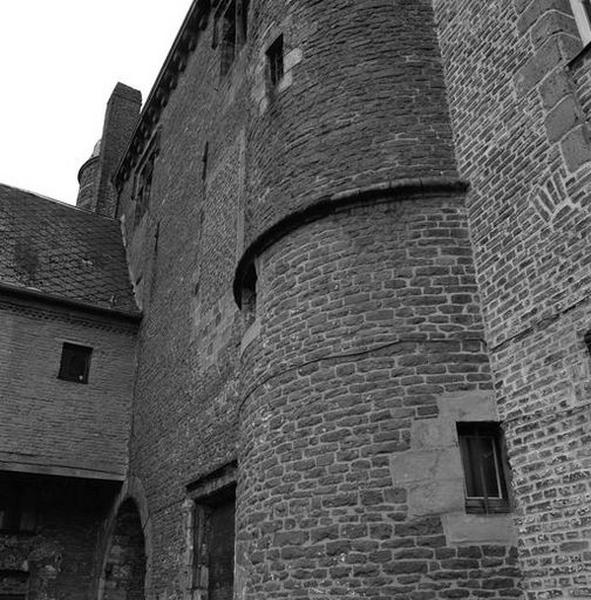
124	573
241	168
362	102
182	254
369	337
519	116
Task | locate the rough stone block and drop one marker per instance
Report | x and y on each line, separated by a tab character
575	148
562	118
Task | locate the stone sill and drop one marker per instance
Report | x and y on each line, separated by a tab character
250	335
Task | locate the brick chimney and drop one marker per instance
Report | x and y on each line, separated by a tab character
97	192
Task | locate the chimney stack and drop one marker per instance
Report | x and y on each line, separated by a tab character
97	192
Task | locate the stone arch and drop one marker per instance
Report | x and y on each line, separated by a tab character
131	491
124	570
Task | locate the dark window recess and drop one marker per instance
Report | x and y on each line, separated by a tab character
143	188
204	160
484	463
587	340
221	550
275	60
214	544
249	295
17	509
234	26
75	363
154	279
242	22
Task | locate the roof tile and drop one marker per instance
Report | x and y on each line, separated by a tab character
62	251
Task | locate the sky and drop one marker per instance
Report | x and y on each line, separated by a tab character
59	62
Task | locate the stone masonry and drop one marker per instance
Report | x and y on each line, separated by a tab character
354	230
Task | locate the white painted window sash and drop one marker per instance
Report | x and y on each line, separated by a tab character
581	11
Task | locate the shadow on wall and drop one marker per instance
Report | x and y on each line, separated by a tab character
125	568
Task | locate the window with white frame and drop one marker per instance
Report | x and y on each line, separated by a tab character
582	13
485	469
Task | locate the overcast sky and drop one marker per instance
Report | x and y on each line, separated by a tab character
60	60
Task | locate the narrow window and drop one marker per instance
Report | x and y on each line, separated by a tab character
204	160
75	363
144	188
228	38
481	447
587	340
155	260
582	13
234	31
249	295
242	21
275	60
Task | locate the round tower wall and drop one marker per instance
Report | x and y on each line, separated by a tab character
367	323
88	181
366	318
361	102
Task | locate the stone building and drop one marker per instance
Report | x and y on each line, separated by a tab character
319	325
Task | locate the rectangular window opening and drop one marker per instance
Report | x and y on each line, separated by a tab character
249	295
242	21
144	188
234	32
484	464
75	363
204	161
228	38
275	61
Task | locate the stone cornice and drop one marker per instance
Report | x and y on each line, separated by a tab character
175	63
39	468
387	191
35	302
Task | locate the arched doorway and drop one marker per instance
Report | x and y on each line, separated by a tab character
125	567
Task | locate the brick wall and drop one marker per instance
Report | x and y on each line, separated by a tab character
521	140
121	117
88	180
182	256
47	423
361	105
369	323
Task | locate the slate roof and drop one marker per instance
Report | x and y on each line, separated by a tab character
62	251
